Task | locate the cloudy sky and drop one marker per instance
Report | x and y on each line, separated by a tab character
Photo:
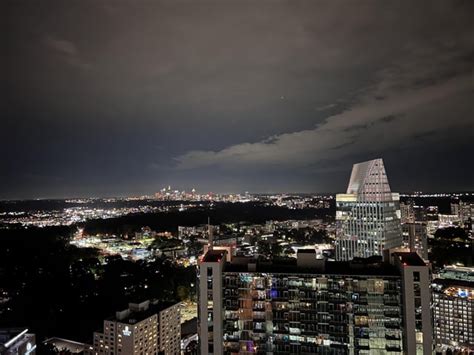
104	98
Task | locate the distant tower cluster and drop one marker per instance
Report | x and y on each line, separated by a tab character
368	215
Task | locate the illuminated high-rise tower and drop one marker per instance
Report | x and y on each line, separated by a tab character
368	215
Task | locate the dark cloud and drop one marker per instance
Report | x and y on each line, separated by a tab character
115	98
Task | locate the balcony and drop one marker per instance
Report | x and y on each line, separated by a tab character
232	339
281	331
392	325
309	331
391	302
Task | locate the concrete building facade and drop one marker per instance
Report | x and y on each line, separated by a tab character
313	306
146	328
453	309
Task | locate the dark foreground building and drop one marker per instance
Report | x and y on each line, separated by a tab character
311	306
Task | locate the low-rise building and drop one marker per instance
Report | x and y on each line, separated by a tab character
453	309
144	328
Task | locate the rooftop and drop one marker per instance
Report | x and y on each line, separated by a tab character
362	267
459	273
461	289
137	312
72	346
213	256
410	259
451	282
306	251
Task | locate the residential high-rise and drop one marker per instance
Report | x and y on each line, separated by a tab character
416	296
143	328
453	310
368	214
313	306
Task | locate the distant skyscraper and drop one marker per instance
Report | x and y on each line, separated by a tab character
368	215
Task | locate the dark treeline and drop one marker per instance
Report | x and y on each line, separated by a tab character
451	246
220	213
56	289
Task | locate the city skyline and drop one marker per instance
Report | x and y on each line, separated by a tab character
121	99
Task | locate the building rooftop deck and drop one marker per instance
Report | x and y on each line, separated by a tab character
366	267
213	256
410	259
133	315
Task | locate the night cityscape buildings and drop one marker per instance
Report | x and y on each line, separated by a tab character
370	300
143	328
453	309
415	238
314	306
271	288
188	164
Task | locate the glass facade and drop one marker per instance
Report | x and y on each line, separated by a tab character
368	215
366	228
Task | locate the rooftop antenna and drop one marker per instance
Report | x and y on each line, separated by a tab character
209	232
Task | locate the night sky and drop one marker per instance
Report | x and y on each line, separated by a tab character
115	98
